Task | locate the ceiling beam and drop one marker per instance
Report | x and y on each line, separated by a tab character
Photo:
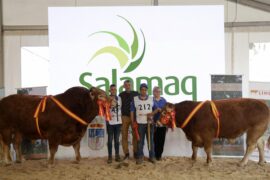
247	24
253	4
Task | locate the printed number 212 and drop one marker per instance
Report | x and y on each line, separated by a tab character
144	107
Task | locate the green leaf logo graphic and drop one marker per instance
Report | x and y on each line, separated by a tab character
118	53
124	53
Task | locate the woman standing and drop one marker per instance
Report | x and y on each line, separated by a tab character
114	125
160	131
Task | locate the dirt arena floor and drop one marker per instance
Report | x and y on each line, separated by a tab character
168	168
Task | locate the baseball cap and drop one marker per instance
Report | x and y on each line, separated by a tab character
143	85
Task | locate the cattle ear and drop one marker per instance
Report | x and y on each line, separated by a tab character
91	95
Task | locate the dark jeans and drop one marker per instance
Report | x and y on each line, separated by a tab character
142	128
113	133
159	140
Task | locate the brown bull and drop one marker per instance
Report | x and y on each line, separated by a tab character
237	116
17	120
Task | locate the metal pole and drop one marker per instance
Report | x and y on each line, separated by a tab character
1	48
155	2
149	135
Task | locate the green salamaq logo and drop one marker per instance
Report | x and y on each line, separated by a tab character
129	53
124	52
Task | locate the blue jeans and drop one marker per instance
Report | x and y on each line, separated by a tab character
142	128
113	133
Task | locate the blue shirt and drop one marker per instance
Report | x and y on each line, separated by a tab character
159	104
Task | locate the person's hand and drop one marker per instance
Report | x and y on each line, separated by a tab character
134	125
150	118
113	102
159	124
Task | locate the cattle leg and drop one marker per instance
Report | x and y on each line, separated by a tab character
77	151
6	151
249	150
17	147
1	150
260	144
208	151
252	138
6	141
53	148
194	152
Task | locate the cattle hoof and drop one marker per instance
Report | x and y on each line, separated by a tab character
262	163
51	166
18	161
7	163
241	164
76	162
209	164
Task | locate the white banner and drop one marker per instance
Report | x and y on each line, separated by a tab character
174	47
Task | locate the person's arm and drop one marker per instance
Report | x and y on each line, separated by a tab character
120	101
164	100
120	94
155	110
132	111
132	117
135	93
134	123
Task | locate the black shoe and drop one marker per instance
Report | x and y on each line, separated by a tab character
117	158
135	155
152	160
139	161
158	158
126	156
109	161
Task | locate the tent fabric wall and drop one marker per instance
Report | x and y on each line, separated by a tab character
13	41
33	14
30	19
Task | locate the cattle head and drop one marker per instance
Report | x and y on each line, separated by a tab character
167	116
98	94
103	101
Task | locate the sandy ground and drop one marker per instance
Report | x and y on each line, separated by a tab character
168	168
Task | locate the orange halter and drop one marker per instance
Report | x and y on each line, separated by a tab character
214	111
169	118
104	104
42	105
166	118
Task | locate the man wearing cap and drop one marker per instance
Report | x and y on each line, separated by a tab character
127	97
142	107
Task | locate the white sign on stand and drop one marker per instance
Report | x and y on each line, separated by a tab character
96	133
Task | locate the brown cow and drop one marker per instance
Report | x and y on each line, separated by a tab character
237	116
17	121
